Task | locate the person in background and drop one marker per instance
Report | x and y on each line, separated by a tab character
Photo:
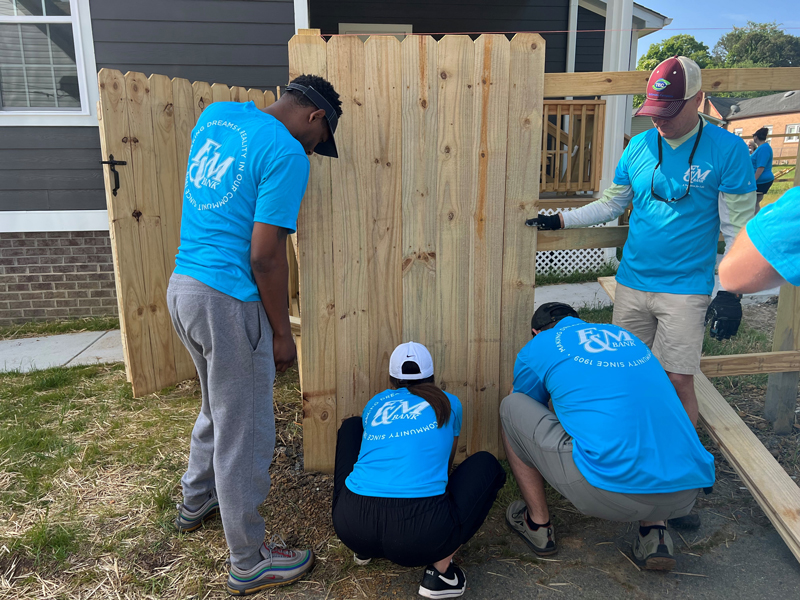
620	446
766	253
751	146
687	179
247	174
762	164
392	495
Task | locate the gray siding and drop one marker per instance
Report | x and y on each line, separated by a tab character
237	42
589	45
455	16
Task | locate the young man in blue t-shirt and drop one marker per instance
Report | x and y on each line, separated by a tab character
762	164
247	173
620	446
687	179
766	253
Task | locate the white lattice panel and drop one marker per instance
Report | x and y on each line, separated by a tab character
569	261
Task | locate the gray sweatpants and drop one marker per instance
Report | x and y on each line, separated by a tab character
234	436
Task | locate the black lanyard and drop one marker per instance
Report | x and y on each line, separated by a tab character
691	156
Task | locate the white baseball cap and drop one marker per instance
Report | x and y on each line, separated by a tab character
411	352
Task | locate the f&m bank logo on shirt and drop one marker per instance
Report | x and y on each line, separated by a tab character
395	410
594	341
697	174
216	168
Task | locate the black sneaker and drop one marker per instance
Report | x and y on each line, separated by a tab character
450	584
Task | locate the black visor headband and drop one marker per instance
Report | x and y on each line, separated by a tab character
325	148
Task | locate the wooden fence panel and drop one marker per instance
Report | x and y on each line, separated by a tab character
522	190
420	124
384	149
202	97
491	77
220	93
307	54
351	198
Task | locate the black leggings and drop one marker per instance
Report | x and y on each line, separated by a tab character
412	532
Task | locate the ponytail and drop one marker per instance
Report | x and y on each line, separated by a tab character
431	393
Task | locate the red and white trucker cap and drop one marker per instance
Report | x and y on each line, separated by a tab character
672	83
411	352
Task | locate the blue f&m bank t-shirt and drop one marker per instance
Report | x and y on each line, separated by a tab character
630	431
403	452
672	247
775	232
244	166
762	157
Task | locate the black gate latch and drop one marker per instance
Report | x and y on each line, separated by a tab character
113	164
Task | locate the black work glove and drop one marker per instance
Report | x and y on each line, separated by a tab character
543	221
725	315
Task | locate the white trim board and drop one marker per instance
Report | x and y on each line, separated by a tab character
301	18
23	221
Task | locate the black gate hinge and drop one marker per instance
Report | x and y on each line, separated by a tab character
113	164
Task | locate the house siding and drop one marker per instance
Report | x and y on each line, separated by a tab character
590	44
456	16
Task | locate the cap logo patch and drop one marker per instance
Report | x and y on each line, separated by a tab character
661	84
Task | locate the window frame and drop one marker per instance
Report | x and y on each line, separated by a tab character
81	21
738	131
796	138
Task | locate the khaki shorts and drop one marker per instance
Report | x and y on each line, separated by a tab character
539	440
670	324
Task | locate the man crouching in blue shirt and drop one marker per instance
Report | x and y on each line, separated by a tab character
247	173
620	446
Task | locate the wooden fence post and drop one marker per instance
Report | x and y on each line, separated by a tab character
781	399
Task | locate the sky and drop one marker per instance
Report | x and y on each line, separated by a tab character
702	18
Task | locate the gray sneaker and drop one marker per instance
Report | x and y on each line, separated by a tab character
188	520
655	550
542	541
281	566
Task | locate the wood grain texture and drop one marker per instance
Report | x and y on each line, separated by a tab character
352	195
522	191
490	139
202	97
454	194
239	94
576	239
148	216
419	139
257	96
781	398
269	97
169	185
314	249
384	149
220	93
750	364
557	85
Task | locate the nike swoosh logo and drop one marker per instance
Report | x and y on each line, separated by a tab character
453	581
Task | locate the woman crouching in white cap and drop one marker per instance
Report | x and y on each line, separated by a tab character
392	495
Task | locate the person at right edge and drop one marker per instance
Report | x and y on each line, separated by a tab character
687	179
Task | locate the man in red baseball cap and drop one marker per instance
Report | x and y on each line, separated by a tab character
687	179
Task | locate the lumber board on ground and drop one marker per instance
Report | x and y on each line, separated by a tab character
314	249
148	216
781	399
557	85
750	364
490	139
776	493
526	74
383	141
420	124
169	186
585	237
455	71
351	199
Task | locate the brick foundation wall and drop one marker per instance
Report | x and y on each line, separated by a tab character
55	275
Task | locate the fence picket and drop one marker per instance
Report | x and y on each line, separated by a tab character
315	249
202	97
239	94
220	93
420	123
257	97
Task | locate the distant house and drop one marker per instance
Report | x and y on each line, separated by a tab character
779	113
55	254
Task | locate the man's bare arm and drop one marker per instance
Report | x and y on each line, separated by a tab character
744	270
271	272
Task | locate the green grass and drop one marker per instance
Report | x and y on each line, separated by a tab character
556	277
40	328
776	191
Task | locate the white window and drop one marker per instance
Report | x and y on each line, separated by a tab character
47	66
792	129
769	134
738	131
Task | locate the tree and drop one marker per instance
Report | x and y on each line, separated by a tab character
677	45
757	45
